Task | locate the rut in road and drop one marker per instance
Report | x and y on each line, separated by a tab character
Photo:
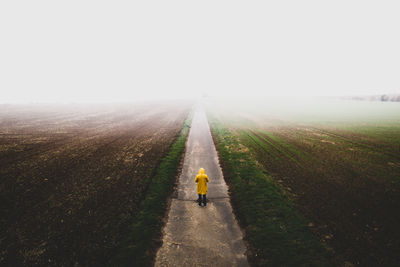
201	236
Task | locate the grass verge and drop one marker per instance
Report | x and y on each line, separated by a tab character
142	239
277	235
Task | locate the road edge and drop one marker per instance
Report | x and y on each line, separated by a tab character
144	236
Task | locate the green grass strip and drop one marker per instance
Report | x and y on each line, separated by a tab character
276	233
141	240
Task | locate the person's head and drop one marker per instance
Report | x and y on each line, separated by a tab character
202	171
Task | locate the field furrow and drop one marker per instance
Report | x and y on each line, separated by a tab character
73	179
340	173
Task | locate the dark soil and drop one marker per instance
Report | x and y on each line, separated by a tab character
72	176
346	184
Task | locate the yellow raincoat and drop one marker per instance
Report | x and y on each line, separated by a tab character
201	180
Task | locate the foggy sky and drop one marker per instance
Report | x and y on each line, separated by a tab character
123	50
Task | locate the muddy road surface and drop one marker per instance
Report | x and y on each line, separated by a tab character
201	236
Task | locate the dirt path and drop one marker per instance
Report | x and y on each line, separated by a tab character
201	236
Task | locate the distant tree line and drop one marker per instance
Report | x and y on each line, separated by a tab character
383	98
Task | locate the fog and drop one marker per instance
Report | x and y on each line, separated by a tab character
305	110
112	51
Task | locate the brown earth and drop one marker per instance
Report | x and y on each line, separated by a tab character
342	182
72	175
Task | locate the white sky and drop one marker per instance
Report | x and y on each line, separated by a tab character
124	50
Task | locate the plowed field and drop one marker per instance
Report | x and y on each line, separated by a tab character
72	175
340	167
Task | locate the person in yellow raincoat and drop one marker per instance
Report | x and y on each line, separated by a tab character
202	180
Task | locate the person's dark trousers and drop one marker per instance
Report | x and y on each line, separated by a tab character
199	200
202	199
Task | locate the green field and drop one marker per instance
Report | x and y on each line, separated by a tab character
313	182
